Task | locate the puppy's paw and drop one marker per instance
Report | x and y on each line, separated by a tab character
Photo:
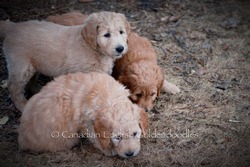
169	87
109	152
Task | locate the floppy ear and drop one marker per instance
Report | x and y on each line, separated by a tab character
127	80
123	79
89	31
143	122
103	132
127	25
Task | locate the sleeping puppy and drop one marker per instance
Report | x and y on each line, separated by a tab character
53	50
139	72
77	104
137	69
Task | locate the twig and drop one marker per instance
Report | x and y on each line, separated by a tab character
234	121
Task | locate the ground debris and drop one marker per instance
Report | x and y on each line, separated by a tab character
4	120
223	85
4	84
230	23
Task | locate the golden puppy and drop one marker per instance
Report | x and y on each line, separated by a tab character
68	19
139	72
137	69
76	105
53	49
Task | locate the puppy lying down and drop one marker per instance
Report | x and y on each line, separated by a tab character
91	104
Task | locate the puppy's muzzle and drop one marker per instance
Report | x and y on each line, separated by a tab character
119	49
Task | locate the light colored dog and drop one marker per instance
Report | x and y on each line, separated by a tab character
92	104
137	69
53	49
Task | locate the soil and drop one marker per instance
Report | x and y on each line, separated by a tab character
203	47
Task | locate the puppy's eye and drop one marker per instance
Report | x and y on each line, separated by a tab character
118	138
138	95
107	35
152	94
121	32
134	134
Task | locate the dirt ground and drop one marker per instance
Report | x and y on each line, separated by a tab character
203	47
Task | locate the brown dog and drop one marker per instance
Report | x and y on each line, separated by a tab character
137	69
77	105
53	49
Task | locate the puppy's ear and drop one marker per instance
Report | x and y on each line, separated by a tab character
123	79
103	132
89	31
160	79
143	122
127	80
127	25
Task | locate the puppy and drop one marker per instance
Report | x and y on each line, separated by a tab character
137	69
53	49
77	105
68	19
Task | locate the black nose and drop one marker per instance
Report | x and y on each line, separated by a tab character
129	154
119	49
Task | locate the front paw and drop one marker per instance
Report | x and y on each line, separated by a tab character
109	152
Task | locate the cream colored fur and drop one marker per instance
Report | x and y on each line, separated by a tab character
53	50
137	70
90	104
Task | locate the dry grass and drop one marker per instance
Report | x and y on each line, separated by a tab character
204	47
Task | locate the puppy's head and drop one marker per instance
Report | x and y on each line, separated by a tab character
107	32
144	80
122	131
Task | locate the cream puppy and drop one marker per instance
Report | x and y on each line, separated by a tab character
53	50
93	105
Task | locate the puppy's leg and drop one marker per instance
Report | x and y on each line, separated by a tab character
17	80
169	87
109	151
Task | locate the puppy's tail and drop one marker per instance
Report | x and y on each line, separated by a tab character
5	27
169	87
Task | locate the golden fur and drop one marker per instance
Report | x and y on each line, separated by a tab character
93	104
68	19
137	69
139	72
53	50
